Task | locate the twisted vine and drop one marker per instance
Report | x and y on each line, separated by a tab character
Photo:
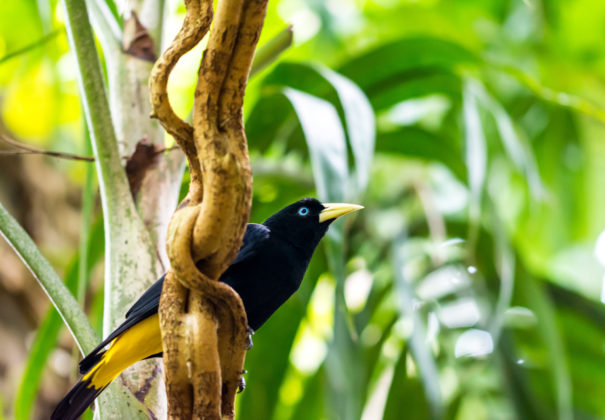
203	322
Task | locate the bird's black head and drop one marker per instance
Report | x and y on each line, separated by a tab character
305	222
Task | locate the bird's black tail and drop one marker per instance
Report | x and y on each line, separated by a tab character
76	401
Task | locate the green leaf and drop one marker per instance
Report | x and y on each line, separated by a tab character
272	122
27	48
360	124
522	394
517	150
406	394
537	299
42	346
414	66
414	54
504	259
62	299
417	342
416	142
581	322
475	155
46	335
312	404
326	141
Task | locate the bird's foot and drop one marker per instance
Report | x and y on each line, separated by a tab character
249	343
241	385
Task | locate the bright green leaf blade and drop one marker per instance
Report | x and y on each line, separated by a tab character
326	140
312	404
43	344
417	342
414	54
360	123
36	44
68	308
527	404
582	324
58	293
46	335
540	302
406	394
504	259
475	155
517	150
416	142
410	67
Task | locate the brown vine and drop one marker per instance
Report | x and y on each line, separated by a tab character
203	321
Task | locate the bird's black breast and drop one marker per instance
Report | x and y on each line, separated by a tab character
268	279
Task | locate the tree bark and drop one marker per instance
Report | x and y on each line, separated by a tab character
203	321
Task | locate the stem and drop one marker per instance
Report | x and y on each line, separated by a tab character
129	252
87	204
62	299
96	107
269	51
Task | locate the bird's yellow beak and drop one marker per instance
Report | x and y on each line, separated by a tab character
335	210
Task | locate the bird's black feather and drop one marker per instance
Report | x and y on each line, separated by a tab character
76	401
267	270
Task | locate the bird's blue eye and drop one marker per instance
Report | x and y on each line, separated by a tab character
303	211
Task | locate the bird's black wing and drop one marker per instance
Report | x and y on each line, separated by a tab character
148	303
254	236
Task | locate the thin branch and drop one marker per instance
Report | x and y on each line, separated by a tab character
25	149
195	26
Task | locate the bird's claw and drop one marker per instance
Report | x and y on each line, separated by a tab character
248	344
241	384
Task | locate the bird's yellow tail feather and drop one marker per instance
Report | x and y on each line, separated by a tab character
137	343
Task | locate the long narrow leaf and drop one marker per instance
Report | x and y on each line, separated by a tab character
122	224
405	394
418	343
46	335
52	284
475	156
516	149
360	124
36	44
267	53
505	265
326	140
43	344
549	331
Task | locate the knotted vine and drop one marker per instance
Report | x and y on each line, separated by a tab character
203	322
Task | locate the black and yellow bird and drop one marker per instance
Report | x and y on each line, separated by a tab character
267	270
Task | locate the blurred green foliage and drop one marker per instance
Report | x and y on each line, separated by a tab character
472	132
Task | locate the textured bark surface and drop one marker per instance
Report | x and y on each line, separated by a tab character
203	322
